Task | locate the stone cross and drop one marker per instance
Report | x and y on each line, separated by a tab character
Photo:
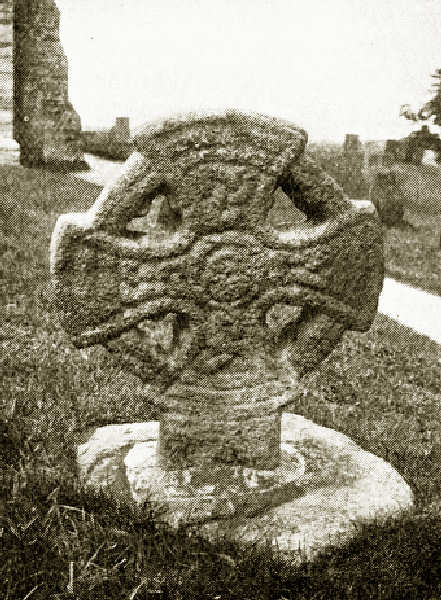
183	267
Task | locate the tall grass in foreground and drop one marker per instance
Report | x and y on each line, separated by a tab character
382	388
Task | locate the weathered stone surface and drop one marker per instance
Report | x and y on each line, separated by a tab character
182	269
101	455
46	125
114	143
387	198
358	486
332	484
34	105
9	149
127	458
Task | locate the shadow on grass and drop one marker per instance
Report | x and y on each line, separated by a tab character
65	542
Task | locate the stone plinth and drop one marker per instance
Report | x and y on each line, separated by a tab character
185	270
342	485
330	485
9	149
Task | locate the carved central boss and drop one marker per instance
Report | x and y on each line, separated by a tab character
222	266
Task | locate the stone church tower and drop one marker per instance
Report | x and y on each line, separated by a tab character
38	125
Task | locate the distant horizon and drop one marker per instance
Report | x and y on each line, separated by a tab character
333	68
91	127
412	125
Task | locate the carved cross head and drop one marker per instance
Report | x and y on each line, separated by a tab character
221	264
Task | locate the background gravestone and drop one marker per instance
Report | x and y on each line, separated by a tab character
386	196
182	268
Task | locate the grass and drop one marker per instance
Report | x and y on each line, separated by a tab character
57	541
413	252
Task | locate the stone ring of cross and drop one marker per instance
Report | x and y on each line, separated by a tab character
222	265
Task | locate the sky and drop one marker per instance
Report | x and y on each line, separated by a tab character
331	66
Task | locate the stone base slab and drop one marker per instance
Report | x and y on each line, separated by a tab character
196	495
326	514
331	483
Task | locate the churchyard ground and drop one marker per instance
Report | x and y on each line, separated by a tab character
413	249
382	388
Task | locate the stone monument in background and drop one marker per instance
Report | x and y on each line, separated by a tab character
352	143
38	125
121	129
9	149
114	143
185	270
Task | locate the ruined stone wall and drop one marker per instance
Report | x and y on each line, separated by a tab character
5	68
9	150
114	143
121	129
45	124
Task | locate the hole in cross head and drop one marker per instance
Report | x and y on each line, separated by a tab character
155	216
284	213
301	198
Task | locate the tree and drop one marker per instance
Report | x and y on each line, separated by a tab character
428	110
434	105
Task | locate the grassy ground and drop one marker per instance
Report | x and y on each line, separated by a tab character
412	250
383	388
